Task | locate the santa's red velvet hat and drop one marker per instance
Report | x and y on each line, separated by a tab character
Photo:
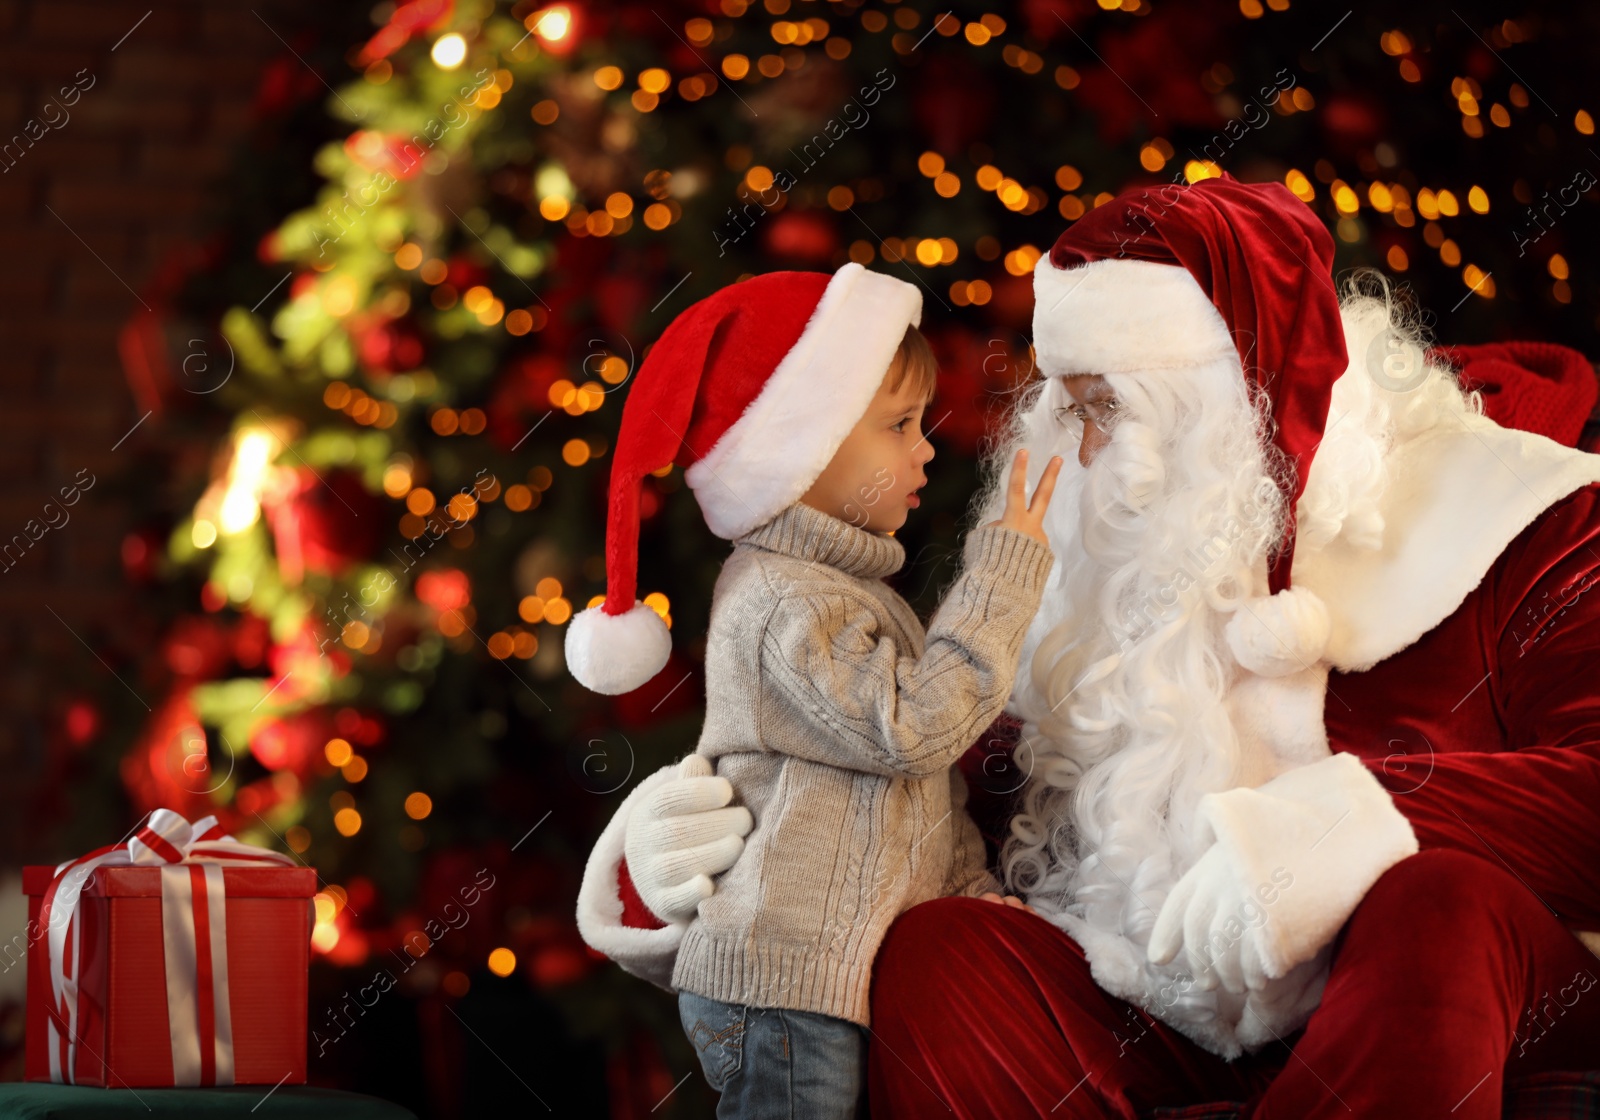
1168	278
752	390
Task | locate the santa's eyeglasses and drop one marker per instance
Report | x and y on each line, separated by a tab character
1074	417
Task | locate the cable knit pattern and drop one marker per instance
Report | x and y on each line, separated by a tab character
838	721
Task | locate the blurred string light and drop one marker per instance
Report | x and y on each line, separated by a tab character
232	503
338	752
554	29
324	933
241	504
1560	290
449	51
552	25
331	927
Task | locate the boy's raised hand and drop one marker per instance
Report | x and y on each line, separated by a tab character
1020	514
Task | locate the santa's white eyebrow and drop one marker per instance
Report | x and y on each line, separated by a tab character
1096	394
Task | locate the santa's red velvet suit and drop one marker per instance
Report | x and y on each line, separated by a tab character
1463	670
1487	731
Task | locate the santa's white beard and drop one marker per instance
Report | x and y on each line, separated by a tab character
1125	671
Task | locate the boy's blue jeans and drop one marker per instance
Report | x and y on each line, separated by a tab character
772	1062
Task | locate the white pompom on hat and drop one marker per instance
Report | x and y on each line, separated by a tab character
1275	635
751	390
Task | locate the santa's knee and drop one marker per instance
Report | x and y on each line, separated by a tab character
1439	893
929	949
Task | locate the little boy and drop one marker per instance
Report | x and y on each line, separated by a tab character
835	717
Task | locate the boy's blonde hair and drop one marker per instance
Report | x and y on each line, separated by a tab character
914	359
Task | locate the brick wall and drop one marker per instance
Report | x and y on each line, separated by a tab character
124	173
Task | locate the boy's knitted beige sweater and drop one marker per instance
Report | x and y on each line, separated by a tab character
838	720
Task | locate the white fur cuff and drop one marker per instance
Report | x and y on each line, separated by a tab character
1309	844
647	953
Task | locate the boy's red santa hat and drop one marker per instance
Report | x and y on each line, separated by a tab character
1170	278
752	390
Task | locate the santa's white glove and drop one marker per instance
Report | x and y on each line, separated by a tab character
1291	861
1217	922
680	836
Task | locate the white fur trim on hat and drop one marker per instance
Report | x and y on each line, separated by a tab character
616	653
1275	635
1123	316
772	454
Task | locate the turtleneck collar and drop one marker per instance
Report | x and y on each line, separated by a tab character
810	534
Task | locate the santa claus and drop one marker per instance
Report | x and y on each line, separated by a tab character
1308	722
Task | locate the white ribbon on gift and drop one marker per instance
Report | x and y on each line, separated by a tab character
191	859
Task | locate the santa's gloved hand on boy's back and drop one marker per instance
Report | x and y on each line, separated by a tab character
683	833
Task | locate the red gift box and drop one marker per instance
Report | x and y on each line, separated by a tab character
145	945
